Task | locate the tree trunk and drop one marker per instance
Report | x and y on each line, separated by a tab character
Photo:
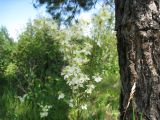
138	36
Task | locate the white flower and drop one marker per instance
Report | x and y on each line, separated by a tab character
84	107
89	45
71	103
43	114
80	60
77	80
90	88
22	99
86	52
61	96
99	43
44	111
97	78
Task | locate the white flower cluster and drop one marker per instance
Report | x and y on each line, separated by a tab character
74	76
84	107
78	55
99	43
80	60
61	95
90	88
23	98
70	71
44	111
71	103
84	51
97	78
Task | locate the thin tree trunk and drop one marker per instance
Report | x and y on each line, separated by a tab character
138	35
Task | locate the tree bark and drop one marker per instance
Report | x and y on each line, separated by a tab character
138	43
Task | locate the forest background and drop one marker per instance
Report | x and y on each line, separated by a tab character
50	70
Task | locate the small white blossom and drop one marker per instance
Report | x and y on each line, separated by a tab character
90	88
43	114
86	52
71	103
80	60
44	111
97	78
61	96
99	43
78	80
84	107
89	45
22	99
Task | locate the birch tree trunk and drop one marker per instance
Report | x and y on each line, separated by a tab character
138	35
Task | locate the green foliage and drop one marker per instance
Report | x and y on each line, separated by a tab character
35	74
60	74
6	45
91	59
105	62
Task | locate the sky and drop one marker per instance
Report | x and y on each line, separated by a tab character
14	14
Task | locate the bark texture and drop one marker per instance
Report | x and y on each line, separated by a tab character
138	35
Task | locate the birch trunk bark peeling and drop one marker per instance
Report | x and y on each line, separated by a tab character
138	36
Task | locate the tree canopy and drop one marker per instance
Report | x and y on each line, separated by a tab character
66	10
